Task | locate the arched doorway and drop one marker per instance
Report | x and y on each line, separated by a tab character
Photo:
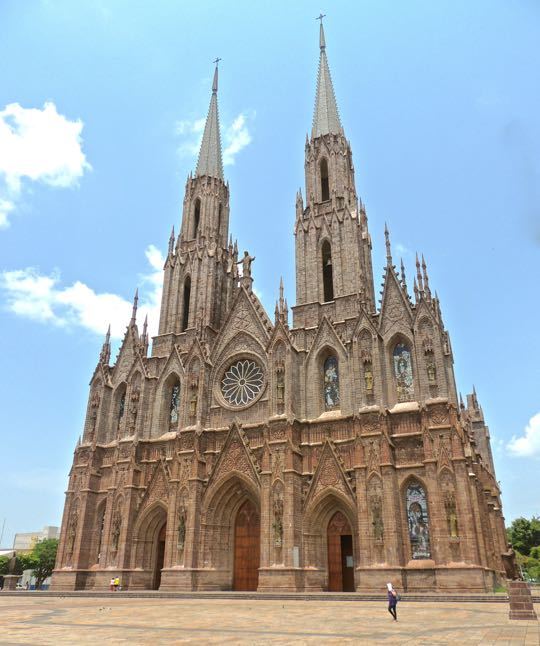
247	532
340	554
159	557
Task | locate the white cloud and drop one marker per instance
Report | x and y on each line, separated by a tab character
402	249
235	136
43	298
527	445
37	145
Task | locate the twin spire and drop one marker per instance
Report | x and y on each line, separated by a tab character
326	115
325	118
210	162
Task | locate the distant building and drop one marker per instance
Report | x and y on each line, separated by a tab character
24	542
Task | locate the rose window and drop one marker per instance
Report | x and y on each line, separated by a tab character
242	382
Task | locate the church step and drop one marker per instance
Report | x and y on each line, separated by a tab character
270	596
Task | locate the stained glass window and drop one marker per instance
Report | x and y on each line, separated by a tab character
175	400
418	521
331	383
403	372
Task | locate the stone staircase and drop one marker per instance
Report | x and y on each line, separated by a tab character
269	596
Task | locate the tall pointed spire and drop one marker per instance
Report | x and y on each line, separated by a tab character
326	115
210	162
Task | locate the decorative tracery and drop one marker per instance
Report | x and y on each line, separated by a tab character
242	382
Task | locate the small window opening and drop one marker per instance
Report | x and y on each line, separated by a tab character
196	217
328	281
187	295
325	187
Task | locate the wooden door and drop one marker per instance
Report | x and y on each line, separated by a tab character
160	557
247	531
340	555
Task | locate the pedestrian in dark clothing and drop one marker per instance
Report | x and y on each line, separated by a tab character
392	600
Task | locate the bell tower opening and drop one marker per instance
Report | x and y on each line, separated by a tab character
325	187
187	296
196	218
328	279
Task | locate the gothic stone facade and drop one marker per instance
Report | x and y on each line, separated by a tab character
248	454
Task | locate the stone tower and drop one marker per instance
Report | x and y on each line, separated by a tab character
247	454
200	269
333	247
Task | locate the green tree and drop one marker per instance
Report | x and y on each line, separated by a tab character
524	534
25	562
3	565
44	558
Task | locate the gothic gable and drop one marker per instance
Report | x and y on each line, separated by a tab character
101	373
235	456
279	334
127	354
157	489
395	310
173	364
245	318
326	336
330	472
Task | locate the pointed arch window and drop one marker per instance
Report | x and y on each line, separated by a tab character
325	186
331	383
220	210
187	298
327	272
418	521
174	403
196	217
403	373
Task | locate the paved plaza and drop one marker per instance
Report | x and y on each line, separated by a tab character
64	620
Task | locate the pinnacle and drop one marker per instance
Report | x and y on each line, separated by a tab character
134	309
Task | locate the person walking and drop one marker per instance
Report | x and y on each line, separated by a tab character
392	600
117	583
111	585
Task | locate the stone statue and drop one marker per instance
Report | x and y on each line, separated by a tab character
280	387
246	264
193	404
453	524
368	378
432	374
511	568
378	526
117	522
181	531
278	522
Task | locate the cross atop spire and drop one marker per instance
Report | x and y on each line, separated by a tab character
326	115
210	162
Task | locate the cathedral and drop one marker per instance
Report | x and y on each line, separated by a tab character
324	450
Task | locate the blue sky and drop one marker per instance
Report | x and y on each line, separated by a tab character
100	114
